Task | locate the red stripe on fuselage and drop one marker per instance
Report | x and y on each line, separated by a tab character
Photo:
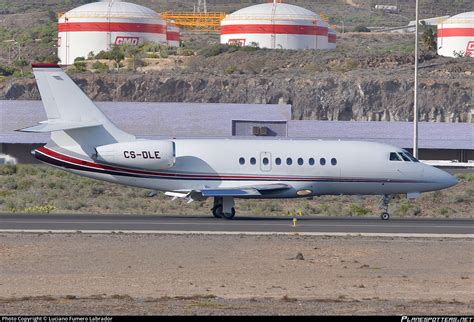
274	29
111	27
85	163
456	32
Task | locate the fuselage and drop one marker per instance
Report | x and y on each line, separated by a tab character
309	167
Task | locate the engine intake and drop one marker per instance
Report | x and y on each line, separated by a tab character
146	154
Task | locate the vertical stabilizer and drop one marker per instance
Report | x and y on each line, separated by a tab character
73	119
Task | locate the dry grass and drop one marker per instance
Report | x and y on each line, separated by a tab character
43	189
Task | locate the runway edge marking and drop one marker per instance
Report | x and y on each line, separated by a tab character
180	232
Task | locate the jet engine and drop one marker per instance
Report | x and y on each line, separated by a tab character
146	154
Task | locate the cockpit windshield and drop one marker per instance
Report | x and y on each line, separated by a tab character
402	156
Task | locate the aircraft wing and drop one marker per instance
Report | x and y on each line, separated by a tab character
246	191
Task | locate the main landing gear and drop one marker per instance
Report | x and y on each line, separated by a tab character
384	206
223	207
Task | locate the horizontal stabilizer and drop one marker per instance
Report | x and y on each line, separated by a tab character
53	125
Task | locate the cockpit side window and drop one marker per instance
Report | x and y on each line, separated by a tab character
394	157
405	157
410	156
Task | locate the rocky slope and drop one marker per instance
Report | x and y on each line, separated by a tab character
350	83
330	98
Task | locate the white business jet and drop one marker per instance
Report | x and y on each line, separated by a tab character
85	142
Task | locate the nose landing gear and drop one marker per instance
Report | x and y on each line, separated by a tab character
384	206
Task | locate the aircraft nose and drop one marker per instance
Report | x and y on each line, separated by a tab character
442	178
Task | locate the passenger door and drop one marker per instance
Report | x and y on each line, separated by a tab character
265	161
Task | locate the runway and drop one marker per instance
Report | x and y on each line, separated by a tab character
413	227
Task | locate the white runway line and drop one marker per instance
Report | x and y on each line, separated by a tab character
180	232
225	224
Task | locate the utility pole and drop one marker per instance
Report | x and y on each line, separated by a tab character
9	50
202	6
415	103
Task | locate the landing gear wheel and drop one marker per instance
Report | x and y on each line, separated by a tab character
384	207
229	215
217	211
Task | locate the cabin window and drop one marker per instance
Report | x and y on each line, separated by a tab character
289	161
322	161
253	161
300	161
242	161
277	161
333	161
265	161
311	161
394	157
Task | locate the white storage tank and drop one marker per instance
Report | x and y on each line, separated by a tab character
456	35
101	25
275	25
331	38
173	35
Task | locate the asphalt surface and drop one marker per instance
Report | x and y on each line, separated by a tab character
92	222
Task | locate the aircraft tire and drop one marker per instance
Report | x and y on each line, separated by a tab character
217	211
229	215
385	216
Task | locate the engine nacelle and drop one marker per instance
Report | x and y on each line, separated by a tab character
149	155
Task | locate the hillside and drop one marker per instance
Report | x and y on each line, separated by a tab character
368	77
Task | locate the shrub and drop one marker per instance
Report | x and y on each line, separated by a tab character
469	177
8	169
406	208
50	59
428	38
184	52
44	209
22	64
212	50
150	47
361	29
117	55
358	210
252	46
79	59
7	70
230	70
103	55
80	66
100	67
164	52
443	211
